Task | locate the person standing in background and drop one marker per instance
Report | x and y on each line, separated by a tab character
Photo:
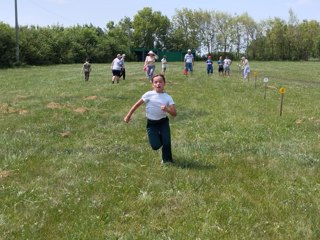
86	69
123	68
188	62
209	66
220	66
164	64
246	67
116	66
226	66
150	64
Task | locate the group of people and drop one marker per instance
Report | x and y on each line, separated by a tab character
118	66
223	65
158	103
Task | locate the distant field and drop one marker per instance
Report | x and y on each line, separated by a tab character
70	168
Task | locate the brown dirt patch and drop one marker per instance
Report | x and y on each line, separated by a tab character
91	98
80	110
4	174
54	105
65	134
23	112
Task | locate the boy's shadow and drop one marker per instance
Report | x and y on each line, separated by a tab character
190	163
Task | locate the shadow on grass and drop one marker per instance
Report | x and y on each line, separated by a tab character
189	163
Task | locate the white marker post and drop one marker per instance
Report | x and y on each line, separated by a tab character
282	91
265	81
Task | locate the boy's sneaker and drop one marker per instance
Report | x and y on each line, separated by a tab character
166	161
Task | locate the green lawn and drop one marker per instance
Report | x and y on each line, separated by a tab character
70	168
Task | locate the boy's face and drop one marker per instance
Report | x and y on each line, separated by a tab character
158	84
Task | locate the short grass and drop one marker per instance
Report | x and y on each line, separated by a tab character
70	168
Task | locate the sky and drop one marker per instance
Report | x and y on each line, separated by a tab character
99	12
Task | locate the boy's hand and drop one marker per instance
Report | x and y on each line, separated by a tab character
126	119
164	108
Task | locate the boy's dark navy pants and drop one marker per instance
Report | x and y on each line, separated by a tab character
159	136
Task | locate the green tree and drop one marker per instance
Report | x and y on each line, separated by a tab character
150	29
225	29
186	29
207	30
36	45
245	32
7	45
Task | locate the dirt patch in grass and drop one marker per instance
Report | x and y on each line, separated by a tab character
65	134
54	105
5	108
80	110
21	97
4	174
23	112
91	98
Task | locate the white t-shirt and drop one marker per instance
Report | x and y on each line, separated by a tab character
188	58
154	101
151	61
246	63
227	62
164	62
117	64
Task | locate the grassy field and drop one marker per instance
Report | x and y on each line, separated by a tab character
70	168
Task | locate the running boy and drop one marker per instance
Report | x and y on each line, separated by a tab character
158	104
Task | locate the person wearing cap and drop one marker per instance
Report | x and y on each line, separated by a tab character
188	62
164	64
209	65
123	69
86	69
116	66
150	64
226	66
246	67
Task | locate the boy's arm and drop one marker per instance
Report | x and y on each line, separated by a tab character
132	110
171	110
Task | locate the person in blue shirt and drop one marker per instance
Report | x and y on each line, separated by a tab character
220	66
209	66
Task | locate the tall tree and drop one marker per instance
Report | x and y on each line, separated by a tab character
224	23
186	29
150	29
245	31
207	30
7	45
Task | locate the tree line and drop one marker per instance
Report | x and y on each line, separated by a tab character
206	32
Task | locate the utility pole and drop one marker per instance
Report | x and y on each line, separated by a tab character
17	33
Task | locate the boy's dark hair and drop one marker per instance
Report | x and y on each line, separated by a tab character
159	75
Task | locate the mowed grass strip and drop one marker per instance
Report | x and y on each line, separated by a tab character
70	168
